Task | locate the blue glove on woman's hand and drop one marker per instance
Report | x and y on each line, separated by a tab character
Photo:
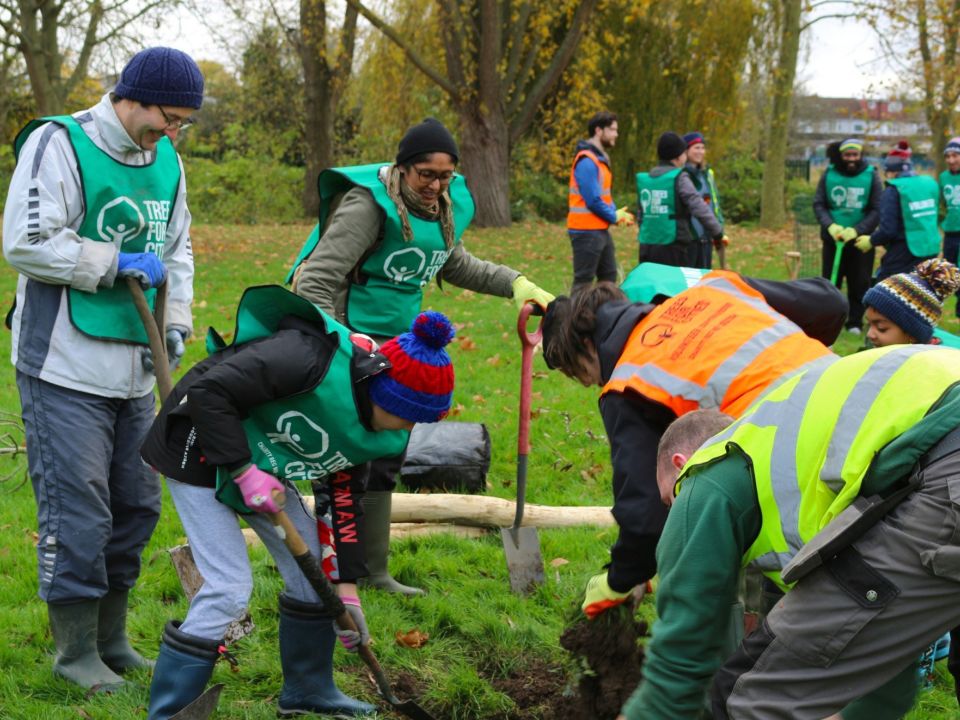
145	267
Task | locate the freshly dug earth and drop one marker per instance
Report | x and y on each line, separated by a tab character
537	689
609	656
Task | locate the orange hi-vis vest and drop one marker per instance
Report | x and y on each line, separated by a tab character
717	345
579	216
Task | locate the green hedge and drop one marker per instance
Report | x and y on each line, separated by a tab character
243	190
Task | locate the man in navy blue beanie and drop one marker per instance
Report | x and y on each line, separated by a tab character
97	197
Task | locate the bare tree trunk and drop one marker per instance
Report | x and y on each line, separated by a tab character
772	212
485	150
324	79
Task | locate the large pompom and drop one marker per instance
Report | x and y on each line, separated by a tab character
433	329
942	276
903	145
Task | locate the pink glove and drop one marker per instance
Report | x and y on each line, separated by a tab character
352	640
257	488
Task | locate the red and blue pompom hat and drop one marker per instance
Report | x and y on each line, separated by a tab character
419	386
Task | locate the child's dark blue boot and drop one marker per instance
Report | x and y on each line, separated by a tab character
307	641
184	666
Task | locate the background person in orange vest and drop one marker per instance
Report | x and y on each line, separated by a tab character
592	210
718	345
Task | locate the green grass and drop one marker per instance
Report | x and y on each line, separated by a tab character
478	629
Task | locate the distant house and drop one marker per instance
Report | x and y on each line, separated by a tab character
819	121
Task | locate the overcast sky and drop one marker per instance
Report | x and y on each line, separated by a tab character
839	58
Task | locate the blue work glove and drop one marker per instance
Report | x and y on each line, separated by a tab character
176	337
145	267
352	640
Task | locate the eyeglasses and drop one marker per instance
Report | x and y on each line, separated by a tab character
175	123
429	176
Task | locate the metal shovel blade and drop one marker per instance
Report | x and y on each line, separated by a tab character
203	706
524	561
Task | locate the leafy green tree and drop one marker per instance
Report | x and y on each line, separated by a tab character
502	59
57	40
929	57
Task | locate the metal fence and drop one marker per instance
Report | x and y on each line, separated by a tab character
805	260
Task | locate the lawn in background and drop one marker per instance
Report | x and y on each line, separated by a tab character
480	633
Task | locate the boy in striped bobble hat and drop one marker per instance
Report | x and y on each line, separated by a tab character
295	397
419	386
905	308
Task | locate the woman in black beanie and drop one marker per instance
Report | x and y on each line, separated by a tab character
385	231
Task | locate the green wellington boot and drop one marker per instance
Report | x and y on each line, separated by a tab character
112	641
376	511
74	630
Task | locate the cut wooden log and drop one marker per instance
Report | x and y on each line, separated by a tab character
399	531
489	512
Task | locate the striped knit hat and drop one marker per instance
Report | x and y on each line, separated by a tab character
898	159
419	385
914	301
851	144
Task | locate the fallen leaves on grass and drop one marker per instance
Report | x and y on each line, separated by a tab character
591	472
412	638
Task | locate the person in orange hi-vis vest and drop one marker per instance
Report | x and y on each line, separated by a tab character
718	344
591	207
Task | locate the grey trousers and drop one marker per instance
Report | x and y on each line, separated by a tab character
97	501
854	625
220	552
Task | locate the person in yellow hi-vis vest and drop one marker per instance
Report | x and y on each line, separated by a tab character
841	484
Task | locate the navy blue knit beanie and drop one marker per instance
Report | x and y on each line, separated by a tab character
692	138
162	76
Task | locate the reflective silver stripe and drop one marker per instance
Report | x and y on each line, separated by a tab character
855	410
733	366
724	285
667	381
773	561
712	393
784	480
786	417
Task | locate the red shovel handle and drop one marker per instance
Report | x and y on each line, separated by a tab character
528	341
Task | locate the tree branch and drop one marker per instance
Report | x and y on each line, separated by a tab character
516	47
489	55
834	16
453	43
521	121
407	48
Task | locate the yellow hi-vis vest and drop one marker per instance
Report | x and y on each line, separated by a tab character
812	438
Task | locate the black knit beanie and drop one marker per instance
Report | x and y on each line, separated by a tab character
670	146
430	136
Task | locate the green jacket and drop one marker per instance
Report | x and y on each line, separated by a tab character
710	527
353	230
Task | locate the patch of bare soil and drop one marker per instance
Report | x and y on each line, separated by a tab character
609	655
